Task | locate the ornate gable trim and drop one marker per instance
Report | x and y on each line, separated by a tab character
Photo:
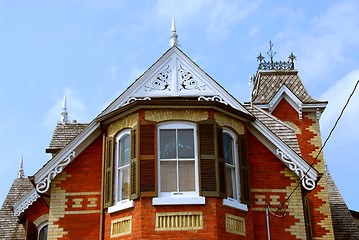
174	75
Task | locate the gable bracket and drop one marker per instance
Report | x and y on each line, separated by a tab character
307	182
213	98
44	185
134	99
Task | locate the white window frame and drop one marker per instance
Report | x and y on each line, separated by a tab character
41	226
119	203
178	198
235	202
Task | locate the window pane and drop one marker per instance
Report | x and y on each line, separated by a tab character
125	181
186	176
168	176
124	151
228	148
185	143
43	233
231	182
167	144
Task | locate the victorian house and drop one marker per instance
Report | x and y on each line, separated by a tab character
177	156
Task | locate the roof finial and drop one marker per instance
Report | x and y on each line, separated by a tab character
173	36
21	173
64	118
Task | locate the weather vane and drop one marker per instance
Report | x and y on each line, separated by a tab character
270	51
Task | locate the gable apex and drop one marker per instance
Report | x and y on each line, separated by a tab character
173	75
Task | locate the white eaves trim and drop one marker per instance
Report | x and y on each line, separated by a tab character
290	158
25	202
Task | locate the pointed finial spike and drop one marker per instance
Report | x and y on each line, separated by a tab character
64	102
173	24
21	173
64	118
173	36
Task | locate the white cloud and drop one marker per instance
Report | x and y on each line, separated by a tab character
75	107
337	96
217	17
324	46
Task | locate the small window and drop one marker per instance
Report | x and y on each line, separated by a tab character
177	155
231	159
122	166
122	172
42	231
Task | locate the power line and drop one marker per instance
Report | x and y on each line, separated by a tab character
325	142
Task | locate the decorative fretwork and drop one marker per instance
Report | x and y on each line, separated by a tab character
214	98
275	65
307	182
44	185
160	84
188	83
25	204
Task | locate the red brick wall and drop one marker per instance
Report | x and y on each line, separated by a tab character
37	209
83	181
144	218
269	185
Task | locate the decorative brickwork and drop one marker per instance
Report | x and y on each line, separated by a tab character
76	197
120	227
124	122
227	121
159	115
213	214
272	182
235	224
172	221
310	142
41	219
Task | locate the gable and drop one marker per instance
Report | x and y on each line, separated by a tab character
174	75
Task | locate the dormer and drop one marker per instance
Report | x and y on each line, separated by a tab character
277	80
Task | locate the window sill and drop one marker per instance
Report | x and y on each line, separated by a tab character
235	204
121	206
178	200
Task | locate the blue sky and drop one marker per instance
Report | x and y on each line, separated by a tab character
93	50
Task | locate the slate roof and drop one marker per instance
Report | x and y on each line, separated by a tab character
285	132
63	134
344	225
268	83
9	226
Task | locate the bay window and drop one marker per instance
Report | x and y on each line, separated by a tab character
177	162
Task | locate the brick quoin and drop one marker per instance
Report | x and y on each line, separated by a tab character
86	176
265	174
286	112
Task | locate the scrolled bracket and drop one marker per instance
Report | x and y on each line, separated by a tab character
44	185
214	98
307	182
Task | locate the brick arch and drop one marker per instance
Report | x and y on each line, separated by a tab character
41	219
